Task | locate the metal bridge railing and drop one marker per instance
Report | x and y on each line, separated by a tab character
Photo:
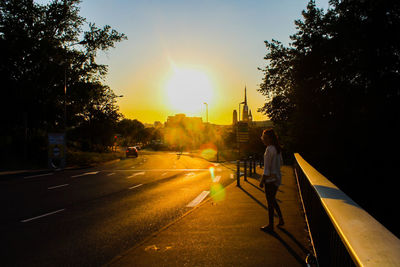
342	233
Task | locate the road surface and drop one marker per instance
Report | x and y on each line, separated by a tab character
85	217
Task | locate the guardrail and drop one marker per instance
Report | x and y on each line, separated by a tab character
249	168
342	233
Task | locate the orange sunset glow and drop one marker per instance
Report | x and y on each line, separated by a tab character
187	90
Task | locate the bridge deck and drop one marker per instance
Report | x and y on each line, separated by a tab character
227	232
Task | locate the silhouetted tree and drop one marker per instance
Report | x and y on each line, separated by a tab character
334	92
131	131
39	58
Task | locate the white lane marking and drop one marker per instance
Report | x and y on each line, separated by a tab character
57	186
84	174
198	199
216	164
165	173
136	174
232	176
216	179
41	216
190	174
133	167
38	175
111	174
136	186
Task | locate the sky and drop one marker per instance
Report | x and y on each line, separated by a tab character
181	54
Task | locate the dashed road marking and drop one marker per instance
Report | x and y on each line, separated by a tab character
198	199
39	175
110	174
135	186
43	215
136	174
84	174
216	179
57	186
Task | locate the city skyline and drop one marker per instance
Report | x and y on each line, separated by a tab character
220	44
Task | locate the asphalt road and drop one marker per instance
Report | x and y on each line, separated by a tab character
86	217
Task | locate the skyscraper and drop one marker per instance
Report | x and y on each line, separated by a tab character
246	114
235	117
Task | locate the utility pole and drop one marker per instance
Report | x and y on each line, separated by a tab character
206	110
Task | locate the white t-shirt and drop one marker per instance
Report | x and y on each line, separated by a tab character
272	163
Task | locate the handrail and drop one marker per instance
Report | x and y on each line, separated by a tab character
367	241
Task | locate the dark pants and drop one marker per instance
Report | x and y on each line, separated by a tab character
270	194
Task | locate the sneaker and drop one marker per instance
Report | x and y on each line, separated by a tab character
267	228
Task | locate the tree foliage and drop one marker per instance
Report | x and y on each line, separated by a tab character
47	63
334	91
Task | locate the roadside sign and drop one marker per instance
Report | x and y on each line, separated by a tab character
56	150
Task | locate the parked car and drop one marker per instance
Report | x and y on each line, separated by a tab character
131	151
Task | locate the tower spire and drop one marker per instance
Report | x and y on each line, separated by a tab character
245	114
245	95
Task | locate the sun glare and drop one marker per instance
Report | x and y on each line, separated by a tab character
187	90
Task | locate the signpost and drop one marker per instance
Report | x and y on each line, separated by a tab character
56	153
242	133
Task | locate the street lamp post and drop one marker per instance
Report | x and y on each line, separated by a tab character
65	86
206	110
63	161
238	126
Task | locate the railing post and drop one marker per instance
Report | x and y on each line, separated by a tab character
238	173
245	169
250	170
254	166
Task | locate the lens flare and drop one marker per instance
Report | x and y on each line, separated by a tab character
217	192
212	174
208	151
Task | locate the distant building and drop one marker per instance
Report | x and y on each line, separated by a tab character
235	118
158	124
246	114
181	119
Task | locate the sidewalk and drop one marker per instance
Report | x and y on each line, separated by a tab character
227	233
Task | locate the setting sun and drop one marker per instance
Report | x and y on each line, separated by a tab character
187	90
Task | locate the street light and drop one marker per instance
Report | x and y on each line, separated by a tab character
206	110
